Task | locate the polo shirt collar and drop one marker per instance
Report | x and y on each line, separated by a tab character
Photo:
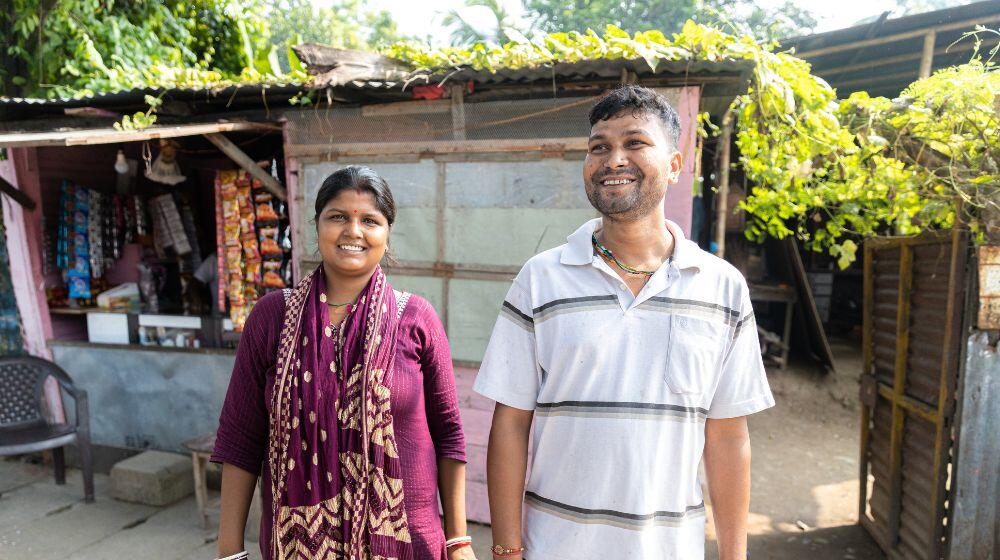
579	251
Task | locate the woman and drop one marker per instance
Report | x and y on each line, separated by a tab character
348	386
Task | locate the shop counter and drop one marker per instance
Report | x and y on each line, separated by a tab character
148	396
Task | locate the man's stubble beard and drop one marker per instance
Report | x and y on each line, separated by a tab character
630	206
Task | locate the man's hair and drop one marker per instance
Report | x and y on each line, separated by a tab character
641	101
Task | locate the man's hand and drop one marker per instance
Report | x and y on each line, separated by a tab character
506	466
727	464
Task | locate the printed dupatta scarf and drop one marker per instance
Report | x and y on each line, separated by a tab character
336	478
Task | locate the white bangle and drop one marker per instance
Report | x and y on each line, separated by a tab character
457	540
238	556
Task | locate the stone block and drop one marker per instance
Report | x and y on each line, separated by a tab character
155	478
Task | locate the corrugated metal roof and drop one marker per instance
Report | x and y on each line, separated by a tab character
603	68
894	26
575	71
883	57
22	100
127	96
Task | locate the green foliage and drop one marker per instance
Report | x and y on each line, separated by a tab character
62	48
695	42
74	48
141	119
668	16
824	170
345	24
869	166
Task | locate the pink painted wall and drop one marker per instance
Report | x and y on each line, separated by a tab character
477	414
678	201
24	244
24	247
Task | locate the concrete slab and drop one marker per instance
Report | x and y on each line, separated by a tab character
17	474
71	528
172	532
30	502
155	478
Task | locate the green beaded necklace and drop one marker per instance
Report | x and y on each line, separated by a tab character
322	297
611	257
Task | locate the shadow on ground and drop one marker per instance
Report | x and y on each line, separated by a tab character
848	542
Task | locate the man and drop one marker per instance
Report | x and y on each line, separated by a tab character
636	355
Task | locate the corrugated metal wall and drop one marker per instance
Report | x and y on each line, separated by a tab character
470	211
913	313
975	531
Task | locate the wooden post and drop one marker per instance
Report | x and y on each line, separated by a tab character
867	373
458	111
248	165
440	232
722	197
16	194
927	58
951	362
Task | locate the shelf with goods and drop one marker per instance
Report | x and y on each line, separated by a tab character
254	241
158	242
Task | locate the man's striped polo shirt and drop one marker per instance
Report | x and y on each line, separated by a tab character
621	386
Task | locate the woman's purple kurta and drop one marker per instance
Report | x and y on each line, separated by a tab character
423	403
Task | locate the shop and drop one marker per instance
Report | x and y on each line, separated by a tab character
147	251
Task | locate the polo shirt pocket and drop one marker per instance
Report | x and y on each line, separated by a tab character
694	349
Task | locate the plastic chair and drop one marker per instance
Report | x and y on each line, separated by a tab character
23	428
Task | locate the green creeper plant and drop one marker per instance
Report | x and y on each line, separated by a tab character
827	171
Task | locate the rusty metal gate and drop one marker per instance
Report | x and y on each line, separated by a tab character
913	305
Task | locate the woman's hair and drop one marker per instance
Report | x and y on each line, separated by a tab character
358	178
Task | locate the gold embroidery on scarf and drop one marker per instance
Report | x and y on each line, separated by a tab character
298	526
382	431
392	522
349	411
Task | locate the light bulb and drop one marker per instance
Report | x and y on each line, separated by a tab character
121	166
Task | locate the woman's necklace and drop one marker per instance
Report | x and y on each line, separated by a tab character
606	253
349	304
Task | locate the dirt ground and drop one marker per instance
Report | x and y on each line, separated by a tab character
803	505
804	500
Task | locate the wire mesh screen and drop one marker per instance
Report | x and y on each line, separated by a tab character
425	121
358	125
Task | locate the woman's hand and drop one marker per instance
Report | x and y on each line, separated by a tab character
463	553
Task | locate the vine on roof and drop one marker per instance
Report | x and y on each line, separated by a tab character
827	171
